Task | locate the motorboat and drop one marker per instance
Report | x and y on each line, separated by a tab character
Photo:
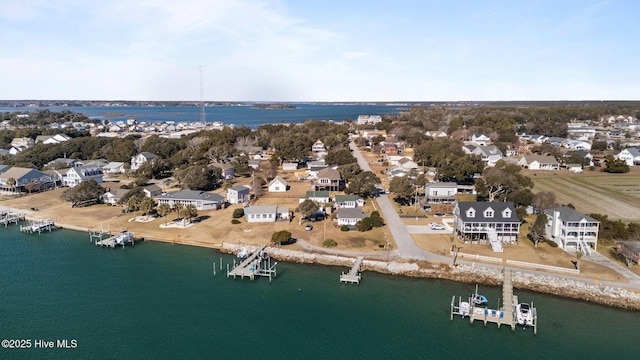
243	254
123	238
464	309
478	299
524	314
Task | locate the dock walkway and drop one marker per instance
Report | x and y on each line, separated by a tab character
353	276
257	263
11	218
38	226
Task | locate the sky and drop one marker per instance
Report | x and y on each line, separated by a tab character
330	50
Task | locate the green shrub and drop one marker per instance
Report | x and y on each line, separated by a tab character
329	243
344	228
364	224
235	221
280	237
238	213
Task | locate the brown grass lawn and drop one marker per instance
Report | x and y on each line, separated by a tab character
616	195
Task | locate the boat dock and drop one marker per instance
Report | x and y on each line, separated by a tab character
505	315
8	218
121	239
38	226
353	276
257	263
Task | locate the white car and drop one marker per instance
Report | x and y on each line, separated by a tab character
434	226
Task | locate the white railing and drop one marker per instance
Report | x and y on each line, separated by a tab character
542	267
476	257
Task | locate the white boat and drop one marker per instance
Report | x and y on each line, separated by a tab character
123	238
464	308
243	253
524	314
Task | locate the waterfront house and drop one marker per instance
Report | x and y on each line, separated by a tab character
482	220
630	250
278	184
16	180
200	199
349	216
266	213
141	158
631	156
238	194
317	196
113	196
79	174
539	162
572	230
349	201
328	179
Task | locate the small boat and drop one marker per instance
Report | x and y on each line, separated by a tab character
123	238
524	314
243	254
465	307
478	299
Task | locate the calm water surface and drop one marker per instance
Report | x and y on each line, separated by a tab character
162	301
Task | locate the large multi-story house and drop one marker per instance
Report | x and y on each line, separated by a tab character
572	230
318	147
631	156
16	180
140	159
238	194
489	154
441	193
482	221
328	179
79	174
200	199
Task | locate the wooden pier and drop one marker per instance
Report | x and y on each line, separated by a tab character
38	226
10	218
505	315
353	276
121	239
257	263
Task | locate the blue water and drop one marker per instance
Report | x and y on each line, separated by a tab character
162	301
237	115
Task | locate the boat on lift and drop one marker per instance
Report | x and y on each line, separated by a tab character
478	299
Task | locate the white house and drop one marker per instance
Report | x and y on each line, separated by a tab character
490	154
349	201
369	119
114	167
152	190
113	196
576	144
266	213
631	156
317	196
482	221
318	146
140	159
539	162
289	166
441	192
407	164
80	174
572	230
480	139
278	184
350	216
200	199
238	194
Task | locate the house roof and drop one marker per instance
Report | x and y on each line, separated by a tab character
316	194
278	179
261	209
542	159
153	188
569	214
329	173
351	213
633	245
343	198
118	193
191	195
633	151
147	155
481	206
113	165
240	188
442	185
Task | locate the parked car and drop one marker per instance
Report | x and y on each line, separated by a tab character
434	226
309	227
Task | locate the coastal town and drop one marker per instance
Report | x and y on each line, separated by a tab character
359	188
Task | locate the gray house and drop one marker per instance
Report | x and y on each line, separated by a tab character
200	199
238	194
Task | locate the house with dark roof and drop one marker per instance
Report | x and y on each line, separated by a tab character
113	196
486	221
572	230
200	199
152	190
80	174
349	216
317	196
140	159
238	194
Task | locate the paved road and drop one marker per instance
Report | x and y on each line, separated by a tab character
408	249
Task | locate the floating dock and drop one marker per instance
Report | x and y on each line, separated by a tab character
121	239
8	218
38	226
353	276
257	263
505	315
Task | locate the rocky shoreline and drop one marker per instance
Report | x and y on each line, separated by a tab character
547	284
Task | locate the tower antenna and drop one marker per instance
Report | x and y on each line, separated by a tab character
202	112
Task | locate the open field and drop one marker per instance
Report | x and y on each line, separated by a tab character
616	195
